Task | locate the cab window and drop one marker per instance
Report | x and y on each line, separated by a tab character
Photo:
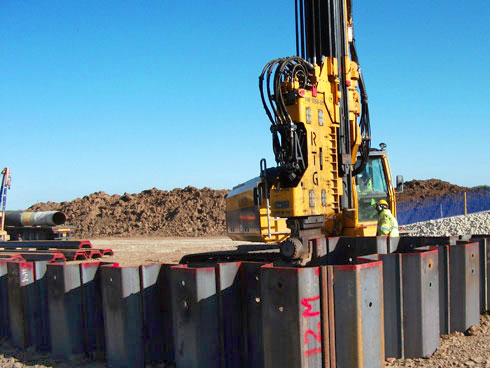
371	186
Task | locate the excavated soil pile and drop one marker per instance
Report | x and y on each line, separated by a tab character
180	212
420	189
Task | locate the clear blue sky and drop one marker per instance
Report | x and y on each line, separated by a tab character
123	96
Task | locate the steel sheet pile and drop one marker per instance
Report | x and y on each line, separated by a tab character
366	300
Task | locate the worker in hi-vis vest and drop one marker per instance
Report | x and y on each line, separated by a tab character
387	224
364	185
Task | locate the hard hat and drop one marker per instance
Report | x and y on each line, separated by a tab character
382	202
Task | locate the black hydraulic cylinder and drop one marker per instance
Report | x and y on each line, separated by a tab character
315	29
41	218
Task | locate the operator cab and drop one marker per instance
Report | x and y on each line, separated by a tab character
375	183
371	186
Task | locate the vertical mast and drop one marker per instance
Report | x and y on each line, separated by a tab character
321	27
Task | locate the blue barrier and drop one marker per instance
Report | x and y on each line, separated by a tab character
440	207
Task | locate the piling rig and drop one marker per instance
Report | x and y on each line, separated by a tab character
317	105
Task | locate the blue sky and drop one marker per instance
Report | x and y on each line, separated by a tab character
123	96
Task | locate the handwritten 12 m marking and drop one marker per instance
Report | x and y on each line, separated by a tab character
307	313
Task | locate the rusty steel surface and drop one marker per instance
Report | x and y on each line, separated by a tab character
420	303
249	314
487	273
444	289
92	309
327	316
47	244
168	347
195	317
39	218
291	317
156	317
405	243
393	304
331	317
252	318
27	295
65	310
95	253
32	255
484	245
465	286
41	318
230	312
74	254
20	287
106	252
343	250
51	257
359	324
11	257
320	251
4	307
123	317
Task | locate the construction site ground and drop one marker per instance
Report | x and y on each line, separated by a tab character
456	350
157	226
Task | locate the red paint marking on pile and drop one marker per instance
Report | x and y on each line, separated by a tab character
307	313
306	303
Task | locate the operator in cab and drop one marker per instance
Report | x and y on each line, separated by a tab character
365	185
387	223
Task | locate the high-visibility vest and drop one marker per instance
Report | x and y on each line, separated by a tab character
387	224
368	188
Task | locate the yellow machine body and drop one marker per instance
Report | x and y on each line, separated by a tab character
320	188
316	147
248	221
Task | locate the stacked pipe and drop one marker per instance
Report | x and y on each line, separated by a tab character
41	218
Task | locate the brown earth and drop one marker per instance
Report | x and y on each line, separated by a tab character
180	212
421	189
188	212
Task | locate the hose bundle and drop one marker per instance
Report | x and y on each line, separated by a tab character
277	88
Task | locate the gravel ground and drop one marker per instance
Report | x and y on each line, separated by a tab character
136	251
10	357
456	350
475	223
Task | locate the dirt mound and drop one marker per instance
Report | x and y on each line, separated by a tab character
420	189
180	212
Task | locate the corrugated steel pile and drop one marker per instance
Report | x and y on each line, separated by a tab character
365	300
